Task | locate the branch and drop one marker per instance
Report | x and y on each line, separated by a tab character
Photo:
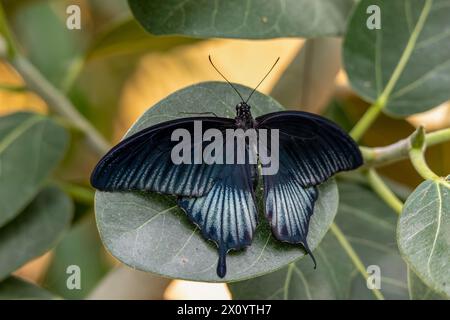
58	103
399	150
412	147
35	81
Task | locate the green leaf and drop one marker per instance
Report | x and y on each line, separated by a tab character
419	290
128	37
41	30
14	288
81	246
407	60
424	232
31	146
251	19
35	230
368	224
150	233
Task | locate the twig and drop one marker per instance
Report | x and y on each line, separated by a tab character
35	81
416	154
57	102
379	156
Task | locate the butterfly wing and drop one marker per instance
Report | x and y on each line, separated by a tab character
143	161
288	208
227	214
311	149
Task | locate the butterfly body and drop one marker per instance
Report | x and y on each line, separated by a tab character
244	119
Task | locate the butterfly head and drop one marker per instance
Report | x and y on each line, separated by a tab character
242	108
244	117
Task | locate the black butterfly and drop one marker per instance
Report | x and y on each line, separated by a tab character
220	198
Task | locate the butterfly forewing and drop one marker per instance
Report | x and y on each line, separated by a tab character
144	162
311	148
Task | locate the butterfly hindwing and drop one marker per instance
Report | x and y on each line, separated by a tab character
311	147
227	214
288	208
310	150
143	161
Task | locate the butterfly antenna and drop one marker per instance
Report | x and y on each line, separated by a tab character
210	60
278	59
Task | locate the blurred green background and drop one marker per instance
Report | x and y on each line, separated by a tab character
112	71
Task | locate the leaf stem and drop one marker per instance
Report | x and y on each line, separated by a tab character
353	256
367	120
417	156
372	113
79	193
437	137
380	187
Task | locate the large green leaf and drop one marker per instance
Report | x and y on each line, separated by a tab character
14	288
419	290
243	19
35	230
424	234
149	232
409	55
127	37
368	224
31	146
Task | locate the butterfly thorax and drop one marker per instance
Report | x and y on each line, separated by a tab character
244	119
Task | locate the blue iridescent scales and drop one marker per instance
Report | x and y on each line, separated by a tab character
220	198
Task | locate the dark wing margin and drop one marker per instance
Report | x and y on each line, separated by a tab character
288	208
311	147
227	214
143	161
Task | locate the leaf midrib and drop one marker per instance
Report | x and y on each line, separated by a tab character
407	52
18	131
438	227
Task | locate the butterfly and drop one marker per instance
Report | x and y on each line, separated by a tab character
220	197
